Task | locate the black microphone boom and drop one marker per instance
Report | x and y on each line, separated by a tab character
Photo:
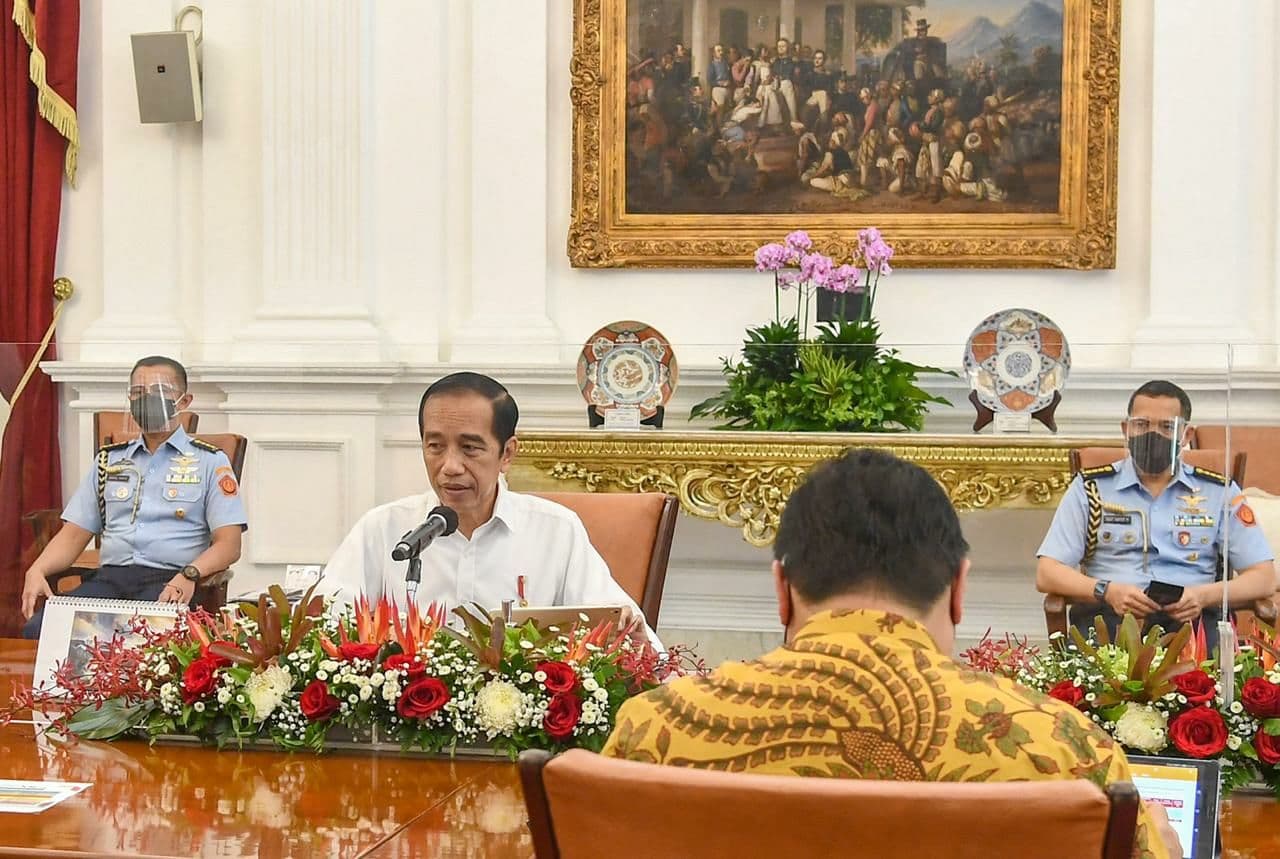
440	522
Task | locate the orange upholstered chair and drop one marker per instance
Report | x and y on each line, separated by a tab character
632	532
1055	605
579	798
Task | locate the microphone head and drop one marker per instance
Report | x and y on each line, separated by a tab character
450	517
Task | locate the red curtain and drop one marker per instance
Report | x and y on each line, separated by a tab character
31	181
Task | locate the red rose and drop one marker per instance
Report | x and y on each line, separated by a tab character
422	697
1197	686
355	650
1261	698
1267	747
199	679
562	715
218	661
405	662
316	702
560	676
1069	692
1199	732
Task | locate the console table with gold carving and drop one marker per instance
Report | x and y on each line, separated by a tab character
743	478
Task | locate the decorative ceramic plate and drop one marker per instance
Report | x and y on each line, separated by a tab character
627	364
1016	360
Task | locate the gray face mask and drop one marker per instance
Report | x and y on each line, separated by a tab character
1152	452
153	411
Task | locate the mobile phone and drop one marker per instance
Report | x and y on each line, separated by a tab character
1163	593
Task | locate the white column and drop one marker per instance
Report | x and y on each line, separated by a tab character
698	46
316	302
895	31
633	28
143	217
506	317
849	57
786	19
1208	269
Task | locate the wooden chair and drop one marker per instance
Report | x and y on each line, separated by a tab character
1056	605
578	798
632	532
109	427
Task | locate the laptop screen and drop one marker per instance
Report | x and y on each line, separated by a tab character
1188	790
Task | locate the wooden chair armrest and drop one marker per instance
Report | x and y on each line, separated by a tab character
1265	610
1055	613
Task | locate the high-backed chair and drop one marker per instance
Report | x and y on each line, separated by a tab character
1056	605
647	810
632	532
110	427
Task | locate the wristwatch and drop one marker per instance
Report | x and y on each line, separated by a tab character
191	573
1099	590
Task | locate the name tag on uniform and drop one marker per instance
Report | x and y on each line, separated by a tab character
1193	521
1117	518
123	478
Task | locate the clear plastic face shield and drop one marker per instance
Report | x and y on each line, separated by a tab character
1156	443
155	400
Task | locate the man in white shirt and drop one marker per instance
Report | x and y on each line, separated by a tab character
507	546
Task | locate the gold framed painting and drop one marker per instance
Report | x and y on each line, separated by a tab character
973	133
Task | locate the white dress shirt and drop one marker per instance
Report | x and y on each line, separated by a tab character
528	536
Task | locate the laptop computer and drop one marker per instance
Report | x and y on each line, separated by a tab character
1189	792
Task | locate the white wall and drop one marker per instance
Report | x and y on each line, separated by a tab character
381	190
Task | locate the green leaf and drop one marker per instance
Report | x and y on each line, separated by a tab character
1271	727
1133	686
108	720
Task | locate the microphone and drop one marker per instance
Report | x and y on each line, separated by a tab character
440	522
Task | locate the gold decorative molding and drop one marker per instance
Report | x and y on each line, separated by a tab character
1080	235
743	479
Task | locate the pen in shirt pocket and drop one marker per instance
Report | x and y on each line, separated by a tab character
524	601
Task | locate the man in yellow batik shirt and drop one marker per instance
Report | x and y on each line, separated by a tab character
870	571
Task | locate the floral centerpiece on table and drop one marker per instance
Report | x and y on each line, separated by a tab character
1161	694
839	379
292	674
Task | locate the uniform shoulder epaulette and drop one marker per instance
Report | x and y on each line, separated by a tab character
115	445
1098	471
1212	476
204	445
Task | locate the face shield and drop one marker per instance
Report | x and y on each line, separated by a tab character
153	405
1155	443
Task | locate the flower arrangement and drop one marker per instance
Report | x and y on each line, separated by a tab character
292	674
837	380
1160	694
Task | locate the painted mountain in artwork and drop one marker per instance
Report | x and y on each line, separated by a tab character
1038	23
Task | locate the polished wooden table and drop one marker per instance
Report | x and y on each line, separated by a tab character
184	801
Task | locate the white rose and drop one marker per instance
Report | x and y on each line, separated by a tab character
498	707
266	690
1142	728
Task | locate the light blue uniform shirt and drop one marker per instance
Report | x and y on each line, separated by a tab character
160	507
1178	543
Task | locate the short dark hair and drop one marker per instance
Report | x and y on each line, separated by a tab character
1161	388
868	521
162	361
505	412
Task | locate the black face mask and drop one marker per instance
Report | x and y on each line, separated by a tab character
153	411
1152	452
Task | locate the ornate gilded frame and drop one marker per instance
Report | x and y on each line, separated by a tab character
1081	235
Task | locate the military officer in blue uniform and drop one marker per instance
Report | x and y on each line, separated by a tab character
167	506
1153	518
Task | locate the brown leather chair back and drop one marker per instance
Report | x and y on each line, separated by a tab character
110	427
1214	460
632	532
234	446
1260	444
579	798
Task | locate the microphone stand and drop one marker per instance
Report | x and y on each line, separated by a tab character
413	577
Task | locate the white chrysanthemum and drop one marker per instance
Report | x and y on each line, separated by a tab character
1143	728
266	690
498	707
1234	743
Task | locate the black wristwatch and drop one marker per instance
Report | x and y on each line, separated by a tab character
1100	590
191	573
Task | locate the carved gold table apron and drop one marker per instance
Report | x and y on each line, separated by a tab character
743	479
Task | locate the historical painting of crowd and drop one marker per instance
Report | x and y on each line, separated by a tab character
950	107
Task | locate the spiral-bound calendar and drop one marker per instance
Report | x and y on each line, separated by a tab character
72	624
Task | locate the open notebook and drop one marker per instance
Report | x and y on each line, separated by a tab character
71	624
